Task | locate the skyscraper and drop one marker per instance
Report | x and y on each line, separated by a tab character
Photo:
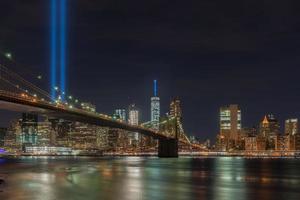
29	126
133	115
291	127
120	114
175	108
269	126
270	130
133	120
155	108
230	122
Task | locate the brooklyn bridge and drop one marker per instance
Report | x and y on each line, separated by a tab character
19	94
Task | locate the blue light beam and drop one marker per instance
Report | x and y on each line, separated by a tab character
63	13
53	44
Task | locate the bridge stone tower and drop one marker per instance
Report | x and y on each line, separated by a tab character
168	147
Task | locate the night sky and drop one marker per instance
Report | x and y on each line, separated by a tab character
207	52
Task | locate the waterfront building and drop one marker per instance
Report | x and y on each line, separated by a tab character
11	139
269	126
62	132
45	150
255	143
113	136
221	143
83	136
282	143
261	143
251	143
133	115
155	108
292	142
120	114
230	125
29	129
270	129
207	144
133	119
102	137
46	134
296	142
291	127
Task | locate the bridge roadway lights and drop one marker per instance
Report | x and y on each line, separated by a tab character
168	148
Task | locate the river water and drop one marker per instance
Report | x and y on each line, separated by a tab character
130	178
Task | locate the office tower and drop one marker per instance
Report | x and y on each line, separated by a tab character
112	139
230	122
255	143
155	108
83	136
133	120
46	133
269	127
291	127
133	115
29	129
175	108
11	139
120	114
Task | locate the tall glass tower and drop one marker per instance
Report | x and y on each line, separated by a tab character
155	108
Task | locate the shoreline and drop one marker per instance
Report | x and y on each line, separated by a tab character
181	155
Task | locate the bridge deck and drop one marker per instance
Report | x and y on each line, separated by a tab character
74	114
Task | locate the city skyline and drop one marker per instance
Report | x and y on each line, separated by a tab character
154	99
183	69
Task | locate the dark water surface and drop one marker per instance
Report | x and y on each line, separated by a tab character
61	178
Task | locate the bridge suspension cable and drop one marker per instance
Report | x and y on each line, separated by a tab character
20	84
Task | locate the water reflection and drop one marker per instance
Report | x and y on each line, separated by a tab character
149	178
229	181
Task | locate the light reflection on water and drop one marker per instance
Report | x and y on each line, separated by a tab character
49	178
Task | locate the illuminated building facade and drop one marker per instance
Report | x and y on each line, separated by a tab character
175	108
133	115
120	114
230	122
291	127
29	129
255	143
155	108
83	136
133	119
12	135
46	135
270	129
